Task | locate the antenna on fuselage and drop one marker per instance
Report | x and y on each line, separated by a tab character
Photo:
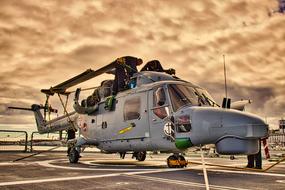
225	76
226	101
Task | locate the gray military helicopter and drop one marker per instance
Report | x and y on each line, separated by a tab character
159	113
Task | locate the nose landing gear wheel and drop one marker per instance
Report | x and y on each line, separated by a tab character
182	161
171	161
73	156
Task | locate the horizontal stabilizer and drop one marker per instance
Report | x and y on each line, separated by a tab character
20	108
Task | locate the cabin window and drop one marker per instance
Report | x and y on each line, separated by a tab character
159	106
132	108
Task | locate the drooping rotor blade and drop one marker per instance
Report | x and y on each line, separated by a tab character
20	108
50	109
87	75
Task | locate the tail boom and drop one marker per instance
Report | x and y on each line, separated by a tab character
68	121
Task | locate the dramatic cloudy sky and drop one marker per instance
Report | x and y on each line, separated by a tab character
43	43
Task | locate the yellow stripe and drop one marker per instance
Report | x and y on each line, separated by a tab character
125	130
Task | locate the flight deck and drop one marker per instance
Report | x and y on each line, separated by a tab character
51	170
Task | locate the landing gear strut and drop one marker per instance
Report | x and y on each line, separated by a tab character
75	147
176	161
140	156
122	155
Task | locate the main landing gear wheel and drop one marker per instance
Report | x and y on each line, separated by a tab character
73	156
176	161
140	156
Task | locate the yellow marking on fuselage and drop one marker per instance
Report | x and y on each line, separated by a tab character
125	130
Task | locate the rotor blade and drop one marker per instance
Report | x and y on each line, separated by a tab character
20	108
84	89
87	75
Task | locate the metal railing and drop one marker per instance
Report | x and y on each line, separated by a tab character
45	141
11	140
277	139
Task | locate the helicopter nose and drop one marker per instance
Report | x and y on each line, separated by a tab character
242	134
233	132
243	124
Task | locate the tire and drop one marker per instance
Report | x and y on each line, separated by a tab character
73	156
171	158
181	158
141	156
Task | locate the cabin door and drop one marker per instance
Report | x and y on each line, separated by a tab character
135	117
161	129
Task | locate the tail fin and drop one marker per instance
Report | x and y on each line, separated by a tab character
68	121
64	122
40	121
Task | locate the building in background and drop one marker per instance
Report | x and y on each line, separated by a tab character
282	125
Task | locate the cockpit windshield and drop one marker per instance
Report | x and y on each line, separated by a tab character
182	95
206	97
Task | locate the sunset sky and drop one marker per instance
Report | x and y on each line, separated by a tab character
43	43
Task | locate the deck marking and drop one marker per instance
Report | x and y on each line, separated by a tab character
90	162
84	177
55	179
246	172
134	172
49	164
184	183
13	163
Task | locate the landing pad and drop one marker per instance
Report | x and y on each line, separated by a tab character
100	171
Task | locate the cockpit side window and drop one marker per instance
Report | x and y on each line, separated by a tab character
176	96
159	103
182	95
132	108
183	124
189	92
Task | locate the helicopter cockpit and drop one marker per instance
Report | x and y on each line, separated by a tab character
183	95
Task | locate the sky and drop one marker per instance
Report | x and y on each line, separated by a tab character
43	43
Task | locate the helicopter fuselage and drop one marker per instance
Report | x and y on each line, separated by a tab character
185	115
